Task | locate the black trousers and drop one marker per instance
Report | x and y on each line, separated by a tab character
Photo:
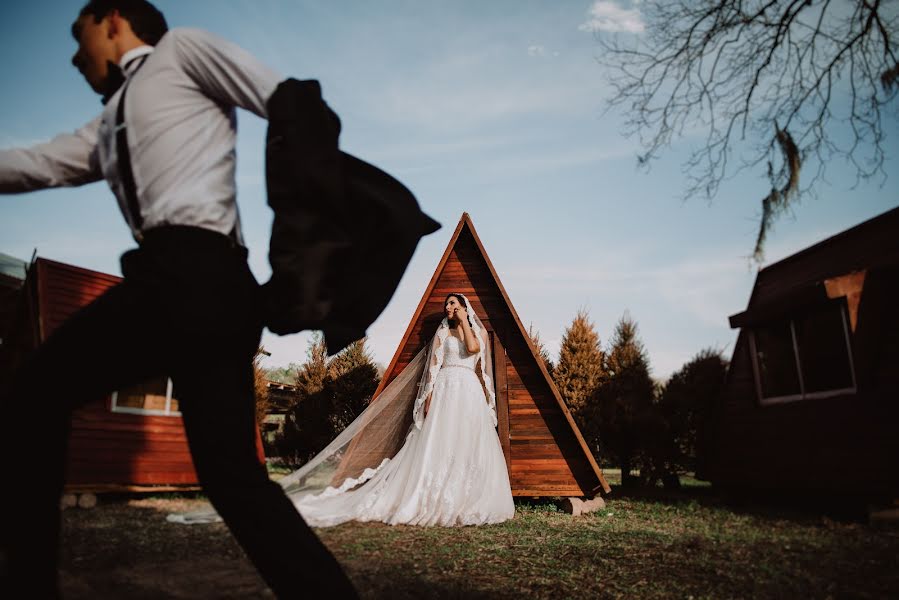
187	308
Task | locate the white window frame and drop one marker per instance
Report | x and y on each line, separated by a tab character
802	395
166	412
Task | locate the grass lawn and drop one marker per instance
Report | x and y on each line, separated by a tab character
656	545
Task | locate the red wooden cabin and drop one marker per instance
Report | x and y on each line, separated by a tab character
811	400
545	452
133	439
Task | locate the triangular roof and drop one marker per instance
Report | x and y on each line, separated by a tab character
539	428
865	239
799	279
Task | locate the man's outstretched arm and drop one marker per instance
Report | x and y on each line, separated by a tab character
68	159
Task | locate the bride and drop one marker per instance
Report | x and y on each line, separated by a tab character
444	468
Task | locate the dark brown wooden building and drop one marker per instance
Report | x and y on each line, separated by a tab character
133	438
811	400
545	452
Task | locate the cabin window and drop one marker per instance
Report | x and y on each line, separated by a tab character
778	375
153	397
807	356
823	347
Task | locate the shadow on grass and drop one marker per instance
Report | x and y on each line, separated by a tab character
795	506
397	585
124	548
775	562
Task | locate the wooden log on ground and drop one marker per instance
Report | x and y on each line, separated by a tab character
572	506
579	506
593	504
883	518
87	500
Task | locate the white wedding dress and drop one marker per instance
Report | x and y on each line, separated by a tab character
449	472
447	468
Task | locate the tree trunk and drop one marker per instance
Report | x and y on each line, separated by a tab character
671	481
627	479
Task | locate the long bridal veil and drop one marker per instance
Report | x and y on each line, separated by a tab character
377	434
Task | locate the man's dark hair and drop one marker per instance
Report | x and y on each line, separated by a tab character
146	21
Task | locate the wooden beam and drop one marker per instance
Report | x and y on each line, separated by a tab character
502	398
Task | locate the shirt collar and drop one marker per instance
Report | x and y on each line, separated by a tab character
127	61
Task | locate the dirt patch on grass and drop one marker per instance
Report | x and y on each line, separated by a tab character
126	549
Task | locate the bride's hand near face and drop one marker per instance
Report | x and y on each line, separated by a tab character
472	344
461	316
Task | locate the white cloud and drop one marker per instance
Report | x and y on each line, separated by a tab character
551	161
446	106
12	141
607	15
541	51
681	305
704	290
477	87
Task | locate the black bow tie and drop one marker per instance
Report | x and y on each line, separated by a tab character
115	77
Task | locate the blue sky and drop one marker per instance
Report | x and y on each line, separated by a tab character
491	108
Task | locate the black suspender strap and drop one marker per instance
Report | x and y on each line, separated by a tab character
124	162
123	156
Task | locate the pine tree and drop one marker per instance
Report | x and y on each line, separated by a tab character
312	374
686	402
308	427
330	395
579	373
352	379
625	399
541	349
580	370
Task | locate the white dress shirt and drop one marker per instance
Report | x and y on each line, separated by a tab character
181	129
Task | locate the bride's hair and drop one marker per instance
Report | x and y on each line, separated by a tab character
458	296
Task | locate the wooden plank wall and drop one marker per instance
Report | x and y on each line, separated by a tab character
845	444
544	456
107	447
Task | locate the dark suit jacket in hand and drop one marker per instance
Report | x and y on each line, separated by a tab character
344	231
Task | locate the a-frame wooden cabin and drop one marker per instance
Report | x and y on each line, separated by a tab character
545	452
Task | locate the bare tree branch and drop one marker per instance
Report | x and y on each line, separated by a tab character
780	83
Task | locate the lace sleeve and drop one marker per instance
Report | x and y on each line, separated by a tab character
426	386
